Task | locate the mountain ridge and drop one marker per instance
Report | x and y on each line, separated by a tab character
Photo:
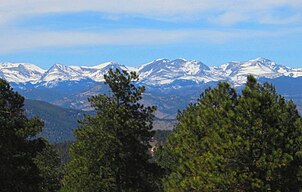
157	72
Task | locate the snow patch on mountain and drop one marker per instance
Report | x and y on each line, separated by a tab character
294	73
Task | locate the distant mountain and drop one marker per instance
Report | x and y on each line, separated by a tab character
171	84
290	88
59	72
158	72
30	73
20	72
236	72
164	71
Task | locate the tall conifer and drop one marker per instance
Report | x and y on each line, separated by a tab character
111	150
22	162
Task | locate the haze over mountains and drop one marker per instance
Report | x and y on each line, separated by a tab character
171	84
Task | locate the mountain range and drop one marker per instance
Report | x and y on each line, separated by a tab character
171	84
157	72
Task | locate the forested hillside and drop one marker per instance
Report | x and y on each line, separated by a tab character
59	122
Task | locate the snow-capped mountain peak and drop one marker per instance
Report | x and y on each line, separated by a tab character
149	65
261	59
102	69
163	71
103	65
20	72
236	71
59	72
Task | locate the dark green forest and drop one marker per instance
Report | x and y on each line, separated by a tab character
225	141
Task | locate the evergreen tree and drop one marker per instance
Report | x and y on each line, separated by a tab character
110	152
269	157
196	153
19	145
48	162
231	142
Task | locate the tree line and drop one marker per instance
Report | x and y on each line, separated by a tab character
225	141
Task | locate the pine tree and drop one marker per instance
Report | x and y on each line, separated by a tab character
269	158
48	163
19	145
196	153
110	152
231	142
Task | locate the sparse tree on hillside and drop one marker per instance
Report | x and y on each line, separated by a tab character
110	152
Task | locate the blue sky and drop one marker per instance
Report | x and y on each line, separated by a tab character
133	32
